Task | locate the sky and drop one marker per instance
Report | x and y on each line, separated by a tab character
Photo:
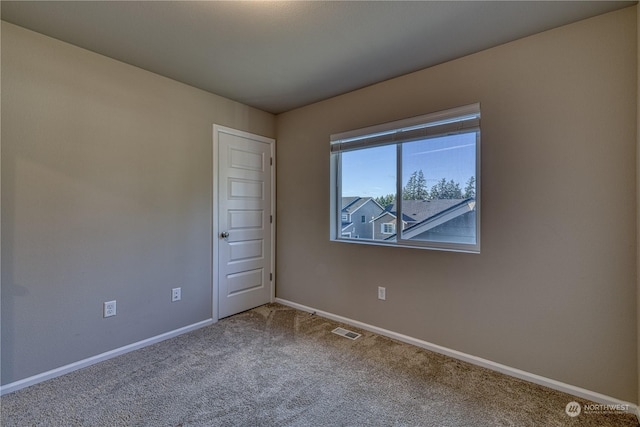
371	172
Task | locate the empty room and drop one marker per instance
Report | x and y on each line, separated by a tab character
337	213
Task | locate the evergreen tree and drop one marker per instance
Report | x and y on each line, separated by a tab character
416	188
446	190
470	188
454	190
385	201
422	193
409	190
439	189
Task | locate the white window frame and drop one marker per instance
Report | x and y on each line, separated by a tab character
465	119
385	225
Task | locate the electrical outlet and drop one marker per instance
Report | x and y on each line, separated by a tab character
176	294
382	293
109	309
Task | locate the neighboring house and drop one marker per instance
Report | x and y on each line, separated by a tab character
442	220
356	216
385	225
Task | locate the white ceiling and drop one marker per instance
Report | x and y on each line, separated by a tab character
278	55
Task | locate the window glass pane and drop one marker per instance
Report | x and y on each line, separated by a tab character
368	186
439	190
427	198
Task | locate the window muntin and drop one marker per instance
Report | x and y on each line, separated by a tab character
431	162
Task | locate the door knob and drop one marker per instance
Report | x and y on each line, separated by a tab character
224	234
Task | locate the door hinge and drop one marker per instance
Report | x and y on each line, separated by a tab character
270	219
271	161
271	276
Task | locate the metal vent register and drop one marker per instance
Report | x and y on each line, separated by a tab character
346	333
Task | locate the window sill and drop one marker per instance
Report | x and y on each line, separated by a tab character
447	247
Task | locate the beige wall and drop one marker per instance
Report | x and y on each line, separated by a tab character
106	194
554	290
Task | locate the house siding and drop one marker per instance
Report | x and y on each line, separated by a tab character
461	229
386	218
370	210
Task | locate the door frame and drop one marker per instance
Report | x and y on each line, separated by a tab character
215	230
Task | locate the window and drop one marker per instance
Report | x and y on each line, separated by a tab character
363	219
388	228
424	175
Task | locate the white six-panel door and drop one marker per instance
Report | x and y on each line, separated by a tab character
242	223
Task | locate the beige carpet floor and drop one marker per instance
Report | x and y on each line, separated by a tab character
275	366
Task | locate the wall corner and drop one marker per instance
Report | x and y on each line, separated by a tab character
638	194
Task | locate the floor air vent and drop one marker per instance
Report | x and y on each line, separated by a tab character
346	333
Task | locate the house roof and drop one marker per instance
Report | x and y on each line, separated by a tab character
405	218
439	208
348	206
416	211
346	225
353	203
421	215
347	202
383	214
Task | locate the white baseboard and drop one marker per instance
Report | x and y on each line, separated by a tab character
17	385
498	367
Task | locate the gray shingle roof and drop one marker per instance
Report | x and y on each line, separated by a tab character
452	205
351	204
417	211
348	201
